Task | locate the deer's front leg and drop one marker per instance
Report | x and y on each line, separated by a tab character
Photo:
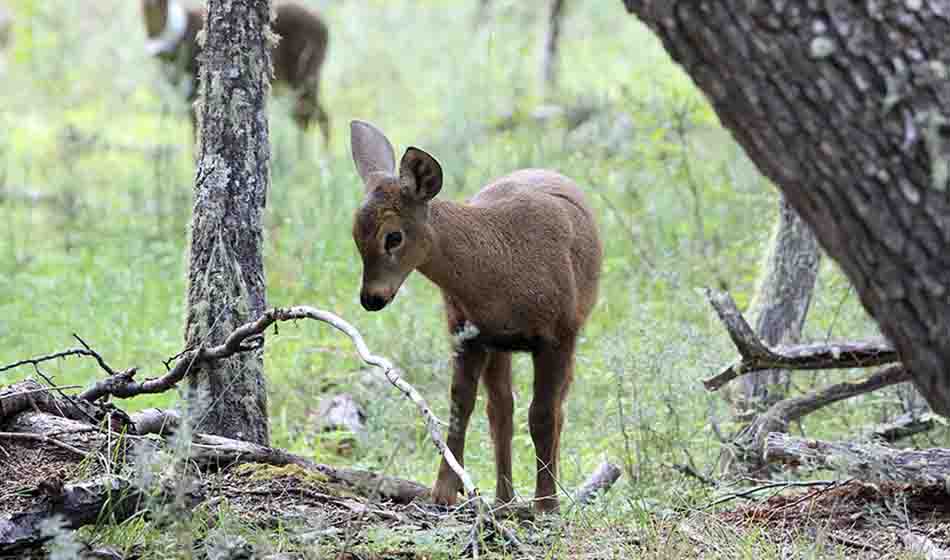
470	360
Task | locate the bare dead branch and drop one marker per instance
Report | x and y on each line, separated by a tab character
755	356
48	357
29	394
865	461
155	421
248	337
750	442
102	363
777	487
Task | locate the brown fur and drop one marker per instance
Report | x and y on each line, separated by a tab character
298	57
520	262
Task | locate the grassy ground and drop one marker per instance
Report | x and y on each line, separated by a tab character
95	169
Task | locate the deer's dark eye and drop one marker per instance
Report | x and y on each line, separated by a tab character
393	240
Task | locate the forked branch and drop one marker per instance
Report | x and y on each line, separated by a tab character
756	356
250	337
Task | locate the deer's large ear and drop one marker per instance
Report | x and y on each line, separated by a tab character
420	175
372	152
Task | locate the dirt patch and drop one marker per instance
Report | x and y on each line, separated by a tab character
28	467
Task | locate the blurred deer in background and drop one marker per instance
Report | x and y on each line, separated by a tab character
298	57
518	267
6	26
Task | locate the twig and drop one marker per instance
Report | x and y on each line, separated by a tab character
45	439
690	471
48	357
102	362
755	356
771	486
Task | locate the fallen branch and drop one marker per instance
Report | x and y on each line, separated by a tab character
864	461
777	487
30	395
206	451
599	481
751	441
155	421
755	356
216	451
247	337
904	426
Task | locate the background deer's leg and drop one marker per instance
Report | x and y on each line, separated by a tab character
500	408
470	360
553	372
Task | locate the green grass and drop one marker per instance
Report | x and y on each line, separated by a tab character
87	121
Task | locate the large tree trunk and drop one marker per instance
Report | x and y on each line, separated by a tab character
226	273
780	305
844	105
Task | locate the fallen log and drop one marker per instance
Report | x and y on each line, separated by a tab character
216	451
206	451
30	395
77	505
864	461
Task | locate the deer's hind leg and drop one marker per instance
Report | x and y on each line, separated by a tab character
553	373
500	409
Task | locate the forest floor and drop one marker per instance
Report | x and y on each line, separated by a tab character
302	514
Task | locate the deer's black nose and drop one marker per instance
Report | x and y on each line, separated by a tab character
372	302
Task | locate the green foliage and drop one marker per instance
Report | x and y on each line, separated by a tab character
95	182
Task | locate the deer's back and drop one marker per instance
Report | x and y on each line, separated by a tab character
546	253
303	45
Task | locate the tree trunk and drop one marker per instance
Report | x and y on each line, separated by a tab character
844	105
549	49
780	305
226	273
481	13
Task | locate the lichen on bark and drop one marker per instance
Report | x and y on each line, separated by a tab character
226	275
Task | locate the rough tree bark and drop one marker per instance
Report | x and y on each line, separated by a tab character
844	105
549	49
780	305
226	273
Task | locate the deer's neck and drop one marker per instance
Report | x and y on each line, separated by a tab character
462	246
176	24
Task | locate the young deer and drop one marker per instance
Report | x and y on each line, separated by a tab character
518	267
298	58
